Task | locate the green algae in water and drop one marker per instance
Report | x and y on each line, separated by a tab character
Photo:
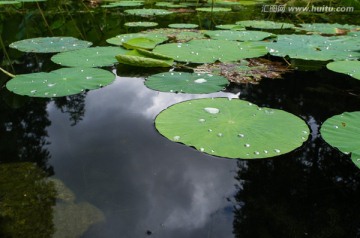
26	200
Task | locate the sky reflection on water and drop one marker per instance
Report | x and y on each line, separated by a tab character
115	159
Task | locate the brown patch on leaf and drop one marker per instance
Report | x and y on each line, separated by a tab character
251	71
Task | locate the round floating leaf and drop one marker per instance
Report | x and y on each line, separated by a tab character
238	35
209	51
89	57
169	5
186	82
327	28
215	9
50	44
148	12
183	26
232	128
9	2
120	39
230	27
124	4
315	47
142	43
179	35
61	82
351	68
265	24
343	132
141	24
144	58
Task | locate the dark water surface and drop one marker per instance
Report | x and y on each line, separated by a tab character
104	147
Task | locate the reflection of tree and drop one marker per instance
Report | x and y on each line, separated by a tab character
23	132
74	105
314	194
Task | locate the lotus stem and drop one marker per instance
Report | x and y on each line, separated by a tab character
7	73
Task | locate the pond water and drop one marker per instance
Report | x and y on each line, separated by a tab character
120	178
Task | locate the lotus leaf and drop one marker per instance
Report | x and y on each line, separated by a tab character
329	29
169	5
232	128
209	51
89	57
120	39
343	132
315	47
142	43
184	26
148	12
249	3
233	27
124	4
265	24
351	68
179	35
61	82
186	82
143	58
50	44
238	35
9	2
141	24
215	9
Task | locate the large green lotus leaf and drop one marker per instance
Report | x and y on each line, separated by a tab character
343	132
327	28
50	44
238	35
142	43
148	12
209	51
9	2
141	24
186	82
89	57
315	47
183	26
265	24
61	82
169	5
351	68
232	128
124	4
232	27
179	35
120	39
215	9
143	58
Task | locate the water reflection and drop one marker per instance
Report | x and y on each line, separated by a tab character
115	159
